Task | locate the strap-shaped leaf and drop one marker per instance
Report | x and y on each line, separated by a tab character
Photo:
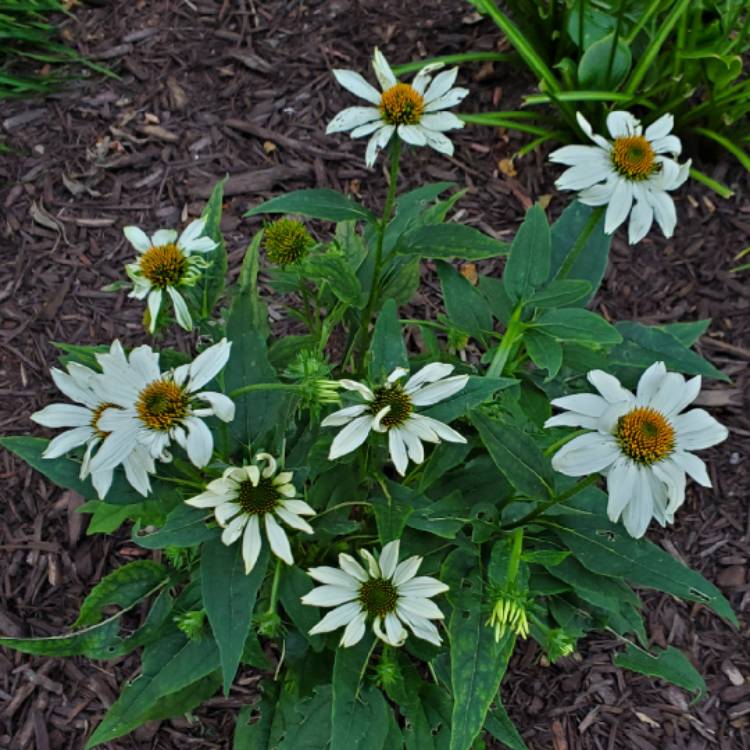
325	204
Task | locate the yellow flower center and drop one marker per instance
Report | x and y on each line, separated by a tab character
257	500
645	435
164	265
378	597
96	415
633	157
162	404
400	403
401	105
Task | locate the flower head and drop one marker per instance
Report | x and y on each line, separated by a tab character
640	442
151	408
557	644
390	408
634	171
165	263
246	495
415	112
286	241
387	592
79	384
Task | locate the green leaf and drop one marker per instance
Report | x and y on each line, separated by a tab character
663	345
592	261
359	718
517	456
256	412
607	549
594	70
445	241
596	24
185	527
387	349
476	391
325	204
688	333
293	586
169	665
500	726
478	662
574	324
497	298
247	312
400	280
529	260
560	293
545	352
339	275
64	471
124	585
257	736
301	724
211	284
466	307
229	599
670	664
444	517
184	700
392	513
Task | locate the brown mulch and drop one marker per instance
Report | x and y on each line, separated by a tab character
244	88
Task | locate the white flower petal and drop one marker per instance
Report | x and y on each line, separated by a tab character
621	486
206	499
181	312
383	71
278	540
669	144
334	577
637	514
137	238
358	86
114	448
697	429
298	507
350	566
620	123
350	437
572	419
572	155
389	559
440	85
232	532
337	617
423	586
222	406
192	232
397	451
66	441
674	479
343	416
412	134
609	386
354	631
366	129
659	128
353	117
293	520
406	570
208	364
641	219
163	237
361	388
586	454
664	211
619	205
200	442
583	403
589	131
62	415
446	101
394	629
692	466
75	384
413	444
420	626
441	121
436	140
420	607
585	174
329	596
649	382
419	425
251	543
428	374
439	391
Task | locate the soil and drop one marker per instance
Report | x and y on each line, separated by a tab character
243	87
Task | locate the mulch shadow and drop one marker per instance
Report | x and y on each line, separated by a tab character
244	88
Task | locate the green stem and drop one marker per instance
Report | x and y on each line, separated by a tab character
262	387
583	238
515	555
545	506
511	335
275	587
364	330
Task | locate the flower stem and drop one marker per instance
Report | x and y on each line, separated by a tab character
395	153
275	587
545	506
262	387
580	243
511	335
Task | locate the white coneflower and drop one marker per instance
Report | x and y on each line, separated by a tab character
641	443
246	494
153	408
635	172
77	385
390	408
385	591
166	263
415	112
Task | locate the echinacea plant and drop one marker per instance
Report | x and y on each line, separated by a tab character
378	575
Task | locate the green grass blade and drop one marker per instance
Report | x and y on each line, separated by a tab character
718	187
458	59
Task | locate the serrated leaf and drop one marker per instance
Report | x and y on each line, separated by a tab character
517	456
445	241
185	526
478	662
592	260
124	585
477	391
574	324
607	549
387	349
229	599
529	260
670	664
168	666
325	204
466	307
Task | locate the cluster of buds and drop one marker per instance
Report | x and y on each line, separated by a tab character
510	614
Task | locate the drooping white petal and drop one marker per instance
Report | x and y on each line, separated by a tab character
692	465
424	76
649	383
354	630
586	454
414	447
299	507
293	520
412	134
441	121
418	422
373	567
208	364
572	419
674	479
361	388
222	406
251	543
664	211
589	131
669	144
113	448
75	384
420	606
395	630
584	403
329	596
637	514
278	540
350	566
336	618
232	532
619	205
343	416
439	391
585	174
200	442
420	626
207	499
641	219
334	577
621	486
62	415
397	451
436	140
697	429
350	437
446	101
389	559
355	83
440	85
428	374
137	238
66	441
353	117
181	312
